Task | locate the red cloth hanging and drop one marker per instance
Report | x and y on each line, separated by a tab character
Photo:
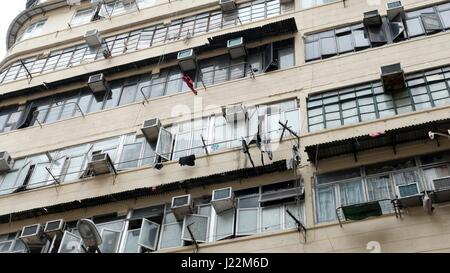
189	82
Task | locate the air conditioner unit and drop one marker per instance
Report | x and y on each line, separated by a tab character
222	199
372	19
442	183
181	206
393	77
235	112
187	60
55	227
236	47
32	235
281	194
97	83
227	5
101	163
395	9
151	128
6	162
93	38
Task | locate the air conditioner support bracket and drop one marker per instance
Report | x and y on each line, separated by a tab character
193	238
285	127
28	72
204	145
54	178
300	227
143	94
246	151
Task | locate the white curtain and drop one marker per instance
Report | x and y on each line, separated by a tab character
351	193
378	188
326	205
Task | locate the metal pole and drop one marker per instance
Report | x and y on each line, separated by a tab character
192	236
54	178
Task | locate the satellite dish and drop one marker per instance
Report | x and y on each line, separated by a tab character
431	135
90	235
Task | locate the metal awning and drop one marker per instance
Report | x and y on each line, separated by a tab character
252	34
278	166
256	33
391	138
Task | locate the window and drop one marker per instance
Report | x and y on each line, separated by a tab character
312	3
367	102
149	36
220	133
356	37
32	30
10	243
377	182
82	17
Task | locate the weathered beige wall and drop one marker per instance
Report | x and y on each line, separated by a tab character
416	232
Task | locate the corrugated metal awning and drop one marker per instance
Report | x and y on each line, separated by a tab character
353	145
256	33
278	166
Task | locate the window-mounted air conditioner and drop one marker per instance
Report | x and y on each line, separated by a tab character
181	206
55	227
236	47
372	19
32	235
101	163
442	183
97	83
151	128
281	194
222	199
187	60
6	162
393	77
235	112
93	38
227	5
395	9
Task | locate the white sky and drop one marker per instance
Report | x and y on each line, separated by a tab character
8	11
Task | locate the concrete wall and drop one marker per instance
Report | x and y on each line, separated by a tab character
416	232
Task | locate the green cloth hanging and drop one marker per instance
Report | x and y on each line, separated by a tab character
362	211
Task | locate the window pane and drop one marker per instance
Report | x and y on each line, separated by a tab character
326	206
130	156
224	225
110	241
271	219
131	245
247	221
171	235
351	193
286	57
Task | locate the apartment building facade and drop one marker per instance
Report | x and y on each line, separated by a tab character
226	126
